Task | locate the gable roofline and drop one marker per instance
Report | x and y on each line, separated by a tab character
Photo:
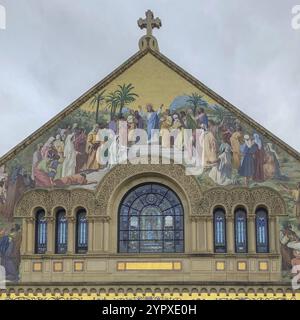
118	71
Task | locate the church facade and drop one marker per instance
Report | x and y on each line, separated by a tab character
150	185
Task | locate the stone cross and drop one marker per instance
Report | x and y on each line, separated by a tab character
149	23
148	40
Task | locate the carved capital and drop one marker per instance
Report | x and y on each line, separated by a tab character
71	219
50	219
98	218
30	220
195	218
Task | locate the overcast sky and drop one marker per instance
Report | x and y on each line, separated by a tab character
52	51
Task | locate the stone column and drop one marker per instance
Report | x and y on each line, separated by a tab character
230	234
106	239
198	224
251	234
202	238
50	235
194	234
98	234
30	237
277	236
272	234
101	231
209	235
90	235
23	249
71	235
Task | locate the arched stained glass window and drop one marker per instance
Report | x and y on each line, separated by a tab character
40	232
262	238
240	225
61	234
220	230
151	220
81	232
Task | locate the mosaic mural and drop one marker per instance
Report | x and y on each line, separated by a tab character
66	157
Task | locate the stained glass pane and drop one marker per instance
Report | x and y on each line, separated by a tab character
262	239
124	210
240	223
169	223
61	235
151	220
41	232
151	246
133	223
168	235
172	198
123	246
164	204
178	222
137	205
177	210
220	231
159	189
81	232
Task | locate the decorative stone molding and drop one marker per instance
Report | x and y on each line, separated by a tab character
99	218
250	198
82	198
52	199
59	198
30	200
175	172
30	220
71	219
242	290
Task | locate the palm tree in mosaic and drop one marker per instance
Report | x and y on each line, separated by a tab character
96	101
220	114
196	101
112	103
124	95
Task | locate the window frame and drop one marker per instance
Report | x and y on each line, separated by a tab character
61	248
245	244
220	248
83	249
262	248
180	242
40	248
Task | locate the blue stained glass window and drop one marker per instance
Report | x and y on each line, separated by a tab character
81	232
151	220
61	234
40	232
262	239
220	230
240	223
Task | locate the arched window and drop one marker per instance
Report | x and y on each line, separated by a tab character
151	220
81	232
262	238
61	233
220	230
40	232
240	226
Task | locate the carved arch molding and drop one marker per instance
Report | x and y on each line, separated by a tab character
200	203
